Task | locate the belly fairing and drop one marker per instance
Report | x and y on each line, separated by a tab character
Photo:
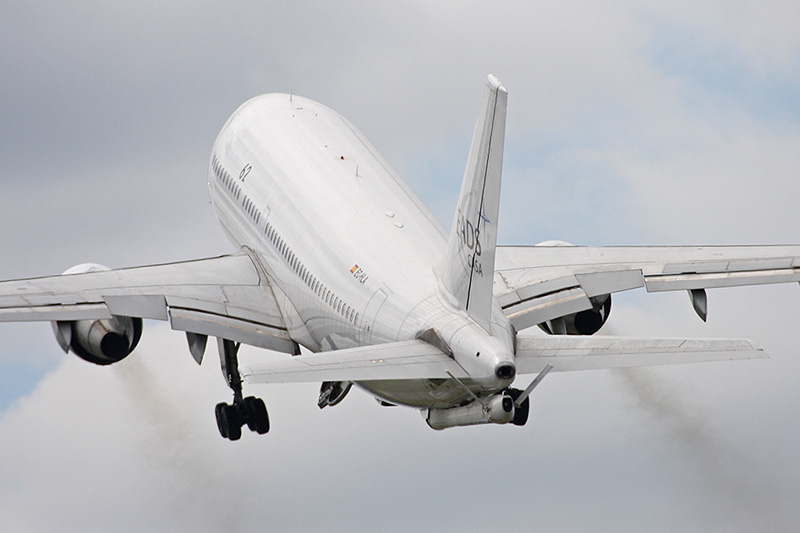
422	393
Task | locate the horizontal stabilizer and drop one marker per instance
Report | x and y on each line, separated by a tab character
419	360
397	360
567	353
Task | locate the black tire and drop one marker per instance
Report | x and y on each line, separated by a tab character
229	422
222	425
249	412
233	422
257	417
520	413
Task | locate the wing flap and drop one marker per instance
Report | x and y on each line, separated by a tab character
398	360
231	328
536	310
568	353
141	305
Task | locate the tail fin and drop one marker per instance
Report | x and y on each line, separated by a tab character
467	269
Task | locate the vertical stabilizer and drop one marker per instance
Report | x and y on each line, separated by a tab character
467	269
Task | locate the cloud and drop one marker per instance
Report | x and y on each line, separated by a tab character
627	124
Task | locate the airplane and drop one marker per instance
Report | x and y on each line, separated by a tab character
336	254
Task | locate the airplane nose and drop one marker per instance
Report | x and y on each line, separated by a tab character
505	371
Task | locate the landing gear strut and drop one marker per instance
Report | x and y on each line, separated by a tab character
250	410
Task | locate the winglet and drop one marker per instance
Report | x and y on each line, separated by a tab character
467	268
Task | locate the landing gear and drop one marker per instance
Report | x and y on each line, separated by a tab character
333	392
229	422
520	411
250	410
256	416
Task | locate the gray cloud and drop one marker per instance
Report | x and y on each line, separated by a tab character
618	133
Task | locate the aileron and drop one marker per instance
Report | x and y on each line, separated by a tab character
33	313
710	280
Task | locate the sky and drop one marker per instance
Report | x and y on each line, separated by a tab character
628	123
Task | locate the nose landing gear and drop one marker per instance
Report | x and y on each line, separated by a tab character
251	410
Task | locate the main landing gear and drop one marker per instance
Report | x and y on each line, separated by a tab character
250	410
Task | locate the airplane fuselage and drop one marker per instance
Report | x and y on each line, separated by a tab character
350	251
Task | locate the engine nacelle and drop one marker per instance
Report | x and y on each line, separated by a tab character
587	322
498	409
100	341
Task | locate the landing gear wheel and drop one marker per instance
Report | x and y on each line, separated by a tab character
222	424
229	422
250	410
256	415
520	412
234	422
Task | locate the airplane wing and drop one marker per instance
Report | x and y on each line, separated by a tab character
534	284
417	359
224	296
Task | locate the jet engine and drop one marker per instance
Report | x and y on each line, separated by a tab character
497	409
587	322
100	341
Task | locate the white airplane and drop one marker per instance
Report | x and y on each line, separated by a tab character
337	254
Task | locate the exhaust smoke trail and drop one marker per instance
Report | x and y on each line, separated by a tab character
744	495
201	490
